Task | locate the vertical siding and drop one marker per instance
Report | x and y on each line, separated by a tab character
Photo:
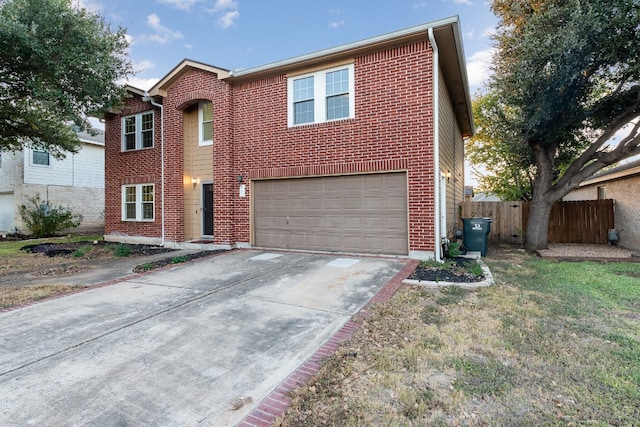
451	155
198	163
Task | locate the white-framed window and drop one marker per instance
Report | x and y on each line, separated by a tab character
137	131
205	123
321	96
137	202
40	157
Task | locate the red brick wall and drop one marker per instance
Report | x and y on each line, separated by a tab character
392	130
130	167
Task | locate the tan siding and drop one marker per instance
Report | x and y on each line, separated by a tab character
624	192
451	155
198	163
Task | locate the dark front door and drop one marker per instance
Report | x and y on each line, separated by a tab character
207	209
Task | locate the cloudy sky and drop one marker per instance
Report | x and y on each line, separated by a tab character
247	33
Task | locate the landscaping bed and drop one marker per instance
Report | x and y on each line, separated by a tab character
455	270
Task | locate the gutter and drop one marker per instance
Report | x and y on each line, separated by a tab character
436	146
149	99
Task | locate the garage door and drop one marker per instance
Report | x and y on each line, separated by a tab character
7	212
355	213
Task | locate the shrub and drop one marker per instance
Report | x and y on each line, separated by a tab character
46	221
122	251
178	259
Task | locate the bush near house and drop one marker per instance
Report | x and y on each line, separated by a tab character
46	221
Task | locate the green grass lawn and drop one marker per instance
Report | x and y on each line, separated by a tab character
551	343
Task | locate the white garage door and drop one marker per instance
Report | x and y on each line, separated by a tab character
355	213
7	212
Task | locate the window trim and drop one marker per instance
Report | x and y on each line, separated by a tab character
139	202
41	165
201	141
138	131
320	95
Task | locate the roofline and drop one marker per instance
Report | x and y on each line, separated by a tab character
134	89
160	88
458	89
619	172
353	46
86	141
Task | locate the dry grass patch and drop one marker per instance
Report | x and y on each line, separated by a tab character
546	345
16	295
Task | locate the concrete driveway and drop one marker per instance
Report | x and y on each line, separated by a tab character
178	347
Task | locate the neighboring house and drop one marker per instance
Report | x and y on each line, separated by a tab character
621	184
356	148
485	197
76	182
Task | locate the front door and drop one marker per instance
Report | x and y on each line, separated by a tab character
207	209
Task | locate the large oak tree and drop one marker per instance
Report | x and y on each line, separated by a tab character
59	64
568	73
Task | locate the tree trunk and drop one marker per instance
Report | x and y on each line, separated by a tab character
538	223
538	226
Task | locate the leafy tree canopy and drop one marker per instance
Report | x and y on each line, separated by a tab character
58	65
508	171
567	74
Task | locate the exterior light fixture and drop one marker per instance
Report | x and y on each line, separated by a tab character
239	178
194	182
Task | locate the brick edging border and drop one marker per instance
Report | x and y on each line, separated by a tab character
278	401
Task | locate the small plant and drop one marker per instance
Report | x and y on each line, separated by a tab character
178	259
82	251
147	266
122	251
476	269
454	249
46	221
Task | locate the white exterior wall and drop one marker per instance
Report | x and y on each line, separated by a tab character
10	177
83	169
77	182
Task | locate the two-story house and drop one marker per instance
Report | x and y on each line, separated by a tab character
356	148
77	182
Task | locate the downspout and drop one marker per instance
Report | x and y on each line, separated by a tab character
149	99
436	146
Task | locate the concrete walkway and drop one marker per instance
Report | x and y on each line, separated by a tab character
198	344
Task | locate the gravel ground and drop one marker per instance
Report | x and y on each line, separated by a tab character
574	250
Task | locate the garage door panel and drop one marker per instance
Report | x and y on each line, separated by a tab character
358	213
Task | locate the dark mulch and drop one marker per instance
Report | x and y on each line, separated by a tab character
62	249
174	260
454	273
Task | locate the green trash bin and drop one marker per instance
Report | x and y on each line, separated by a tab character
474	234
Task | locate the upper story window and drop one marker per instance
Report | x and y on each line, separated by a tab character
137	202
321	96
137	131
40	157
205	123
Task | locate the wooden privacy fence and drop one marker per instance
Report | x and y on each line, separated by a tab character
506	219
587	221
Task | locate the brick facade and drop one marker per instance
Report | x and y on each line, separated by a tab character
393	130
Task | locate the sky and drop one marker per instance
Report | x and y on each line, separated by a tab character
239	34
